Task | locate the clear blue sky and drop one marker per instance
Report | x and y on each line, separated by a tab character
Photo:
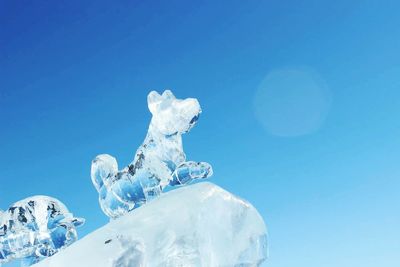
301	105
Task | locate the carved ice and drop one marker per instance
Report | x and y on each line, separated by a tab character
35	228
199	225
159	161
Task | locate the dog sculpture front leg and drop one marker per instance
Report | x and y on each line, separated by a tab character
189	171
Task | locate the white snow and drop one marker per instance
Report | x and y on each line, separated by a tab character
198	225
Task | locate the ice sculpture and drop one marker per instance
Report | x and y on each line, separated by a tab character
159	161
35	228
199	225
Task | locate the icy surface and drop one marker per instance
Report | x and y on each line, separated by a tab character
198	225
159	161
35	228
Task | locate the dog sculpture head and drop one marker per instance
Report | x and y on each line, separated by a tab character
171	115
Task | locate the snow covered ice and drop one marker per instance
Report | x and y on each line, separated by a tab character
35	228
160	161
198	225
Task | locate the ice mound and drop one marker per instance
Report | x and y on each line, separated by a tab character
198	225
158	162
35	228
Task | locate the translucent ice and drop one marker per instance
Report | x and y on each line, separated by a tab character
35	228
199	225
159	161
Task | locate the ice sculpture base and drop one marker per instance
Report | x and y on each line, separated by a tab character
197	225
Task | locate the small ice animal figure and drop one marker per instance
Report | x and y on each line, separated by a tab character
35	228
159	161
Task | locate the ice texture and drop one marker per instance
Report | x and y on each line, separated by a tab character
158	162
35	228
200	225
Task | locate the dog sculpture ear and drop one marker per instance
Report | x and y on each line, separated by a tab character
153	100
167	94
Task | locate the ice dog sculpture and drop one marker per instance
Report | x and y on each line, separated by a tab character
159	161
35	228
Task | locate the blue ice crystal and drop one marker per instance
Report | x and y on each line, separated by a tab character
159	161
35	228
